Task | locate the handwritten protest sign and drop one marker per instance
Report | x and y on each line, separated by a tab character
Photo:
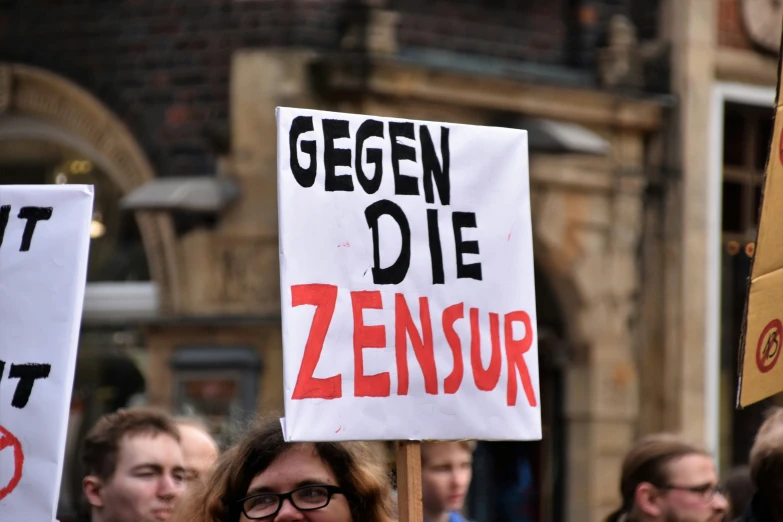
761	341
406	259
44	242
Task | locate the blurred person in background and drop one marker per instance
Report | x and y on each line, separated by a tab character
263	477
199	449
766	471
739	490
446	472
134	467
666	479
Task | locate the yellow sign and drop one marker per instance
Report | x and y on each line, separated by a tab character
762	335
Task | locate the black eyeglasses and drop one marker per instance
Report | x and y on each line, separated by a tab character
306	498
706	491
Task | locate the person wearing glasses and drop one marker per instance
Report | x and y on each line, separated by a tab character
666	479
265	478
766	471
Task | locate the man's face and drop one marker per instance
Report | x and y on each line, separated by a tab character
688	497
146	483
445	472
198	450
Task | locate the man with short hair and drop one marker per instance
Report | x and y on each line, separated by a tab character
199	449
446	471
667	479
134	467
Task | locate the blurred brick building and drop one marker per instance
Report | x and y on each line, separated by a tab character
168	107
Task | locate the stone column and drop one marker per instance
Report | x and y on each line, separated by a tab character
693	35
234	269
589	232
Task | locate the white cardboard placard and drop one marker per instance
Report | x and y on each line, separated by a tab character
44	244
405	250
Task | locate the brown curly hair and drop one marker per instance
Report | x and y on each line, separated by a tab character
359	468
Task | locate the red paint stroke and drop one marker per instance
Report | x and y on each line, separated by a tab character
338	429
768	347
7	439
324	298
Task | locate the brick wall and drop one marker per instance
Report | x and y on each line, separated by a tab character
163	65
535	32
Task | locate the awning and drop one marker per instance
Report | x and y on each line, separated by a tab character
207	194
561	137
122	301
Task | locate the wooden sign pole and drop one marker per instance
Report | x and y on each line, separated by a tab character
409	481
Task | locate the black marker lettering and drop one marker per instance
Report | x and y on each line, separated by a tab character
27	374
336	129
300	125
33	215
375	156
462	220
396	272
436	254
431	168
5	211
403	185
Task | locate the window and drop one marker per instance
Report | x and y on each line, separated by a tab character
746	140
216	383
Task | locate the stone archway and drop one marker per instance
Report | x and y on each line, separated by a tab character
33	94
587	233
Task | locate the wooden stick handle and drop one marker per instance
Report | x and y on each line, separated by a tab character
409	481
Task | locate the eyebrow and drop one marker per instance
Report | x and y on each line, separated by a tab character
147	465
309	482
155	467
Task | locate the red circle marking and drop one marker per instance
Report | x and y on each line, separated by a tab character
769	346
7	439
780	148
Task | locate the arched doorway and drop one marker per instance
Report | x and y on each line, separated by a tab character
52	131
525	481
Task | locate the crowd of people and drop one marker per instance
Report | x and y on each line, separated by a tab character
142	465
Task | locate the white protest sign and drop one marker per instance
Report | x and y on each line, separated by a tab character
408	301
44	244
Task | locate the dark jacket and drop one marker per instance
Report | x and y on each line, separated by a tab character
757	511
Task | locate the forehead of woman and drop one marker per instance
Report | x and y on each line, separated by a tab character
299	465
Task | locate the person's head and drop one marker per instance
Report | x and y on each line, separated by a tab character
664	478
446	470
327	482
766	460
199	449
739	490
133	466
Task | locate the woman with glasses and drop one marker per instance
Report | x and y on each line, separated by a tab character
265	478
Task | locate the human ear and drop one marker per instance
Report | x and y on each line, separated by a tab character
647	499
93	489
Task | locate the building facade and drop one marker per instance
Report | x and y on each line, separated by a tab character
741	125
152	100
